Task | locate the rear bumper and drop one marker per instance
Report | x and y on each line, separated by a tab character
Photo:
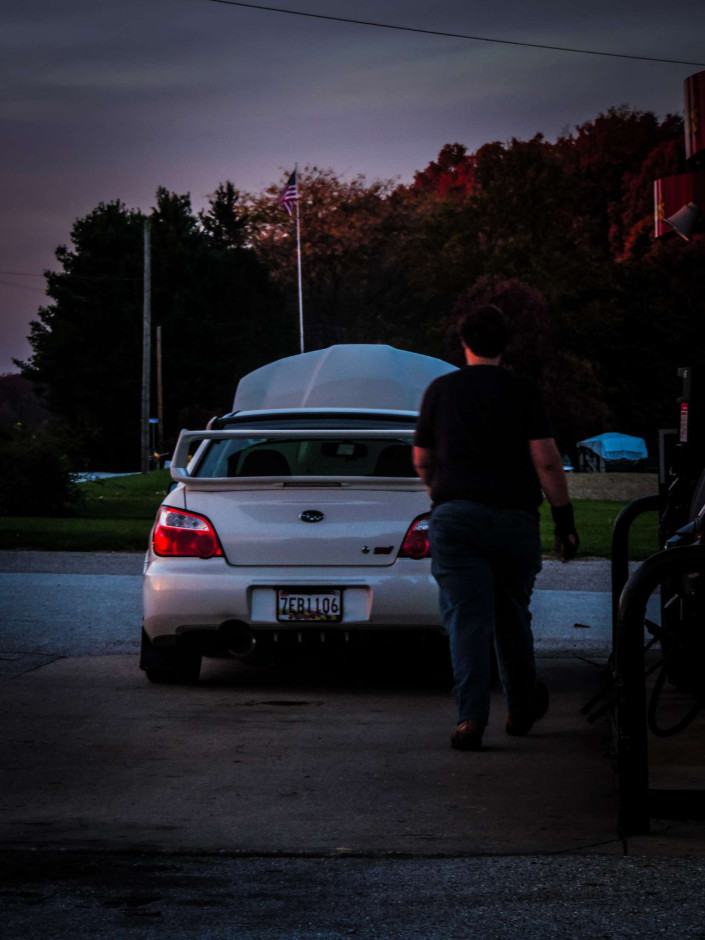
191	595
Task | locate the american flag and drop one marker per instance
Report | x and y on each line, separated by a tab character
290	193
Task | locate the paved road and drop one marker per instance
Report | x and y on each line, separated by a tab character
290	804
74	604
169	898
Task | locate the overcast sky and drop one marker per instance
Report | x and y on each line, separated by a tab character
109	99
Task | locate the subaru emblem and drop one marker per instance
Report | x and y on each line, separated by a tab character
311	515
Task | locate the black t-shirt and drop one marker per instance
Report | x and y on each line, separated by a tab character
479	421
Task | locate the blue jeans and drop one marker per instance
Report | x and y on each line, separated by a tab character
485	561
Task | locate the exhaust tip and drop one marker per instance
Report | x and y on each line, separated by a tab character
239	639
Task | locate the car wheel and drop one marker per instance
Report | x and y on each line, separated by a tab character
177	665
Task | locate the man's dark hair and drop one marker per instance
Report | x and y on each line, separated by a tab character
484	331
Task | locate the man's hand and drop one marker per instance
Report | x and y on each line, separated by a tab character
424	459
567	541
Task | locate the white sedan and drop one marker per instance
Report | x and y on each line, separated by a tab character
297	527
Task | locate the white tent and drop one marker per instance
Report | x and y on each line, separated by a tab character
346	376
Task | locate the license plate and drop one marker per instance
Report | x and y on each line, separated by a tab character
310	607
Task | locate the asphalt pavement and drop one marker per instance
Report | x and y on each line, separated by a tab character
305	803
75	603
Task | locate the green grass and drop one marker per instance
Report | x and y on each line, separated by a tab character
594	520
133	497
74	535
116	515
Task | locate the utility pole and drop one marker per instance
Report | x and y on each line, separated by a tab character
146	347
160	397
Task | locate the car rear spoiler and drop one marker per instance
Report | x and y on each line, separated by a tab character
190	441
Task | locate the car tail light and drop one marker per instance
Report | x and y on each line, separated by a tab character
415	544
184	534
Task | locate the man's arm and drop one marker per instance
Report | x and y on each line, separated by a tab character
425	464
549	469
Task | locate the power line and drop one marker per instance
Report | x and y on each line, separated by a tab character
436	32
37	290
65	274
21	274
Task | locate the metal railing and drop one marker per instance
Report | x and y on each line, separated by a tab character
675	574
637	802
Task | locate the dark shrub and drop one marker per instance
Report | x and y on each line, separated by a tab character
35	475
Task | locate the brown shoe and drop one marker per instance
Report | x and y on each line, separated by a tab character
467	736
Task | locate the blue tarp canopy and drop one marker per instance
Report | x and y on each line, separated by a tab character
614	446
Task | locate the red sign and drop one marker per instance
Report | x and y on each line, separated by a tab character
683	432
674	192
695	115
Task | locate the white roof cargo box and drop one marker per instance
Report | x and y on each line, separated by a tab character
347	376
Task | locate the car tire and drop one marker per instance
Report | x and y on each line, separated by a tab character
176	665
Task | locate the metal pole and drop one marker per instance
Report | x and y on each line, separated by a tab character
160	396
298	254
635	797
146	347
619	549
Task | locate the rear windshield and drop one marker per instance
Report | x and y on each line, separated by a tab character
257	456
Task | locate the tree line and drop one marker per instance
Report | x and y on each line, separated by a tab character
559	234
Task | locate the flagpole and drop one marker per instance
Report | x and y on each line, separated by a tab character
298	254
290	194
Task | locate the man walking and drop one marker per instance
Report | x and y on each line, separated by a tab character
485	449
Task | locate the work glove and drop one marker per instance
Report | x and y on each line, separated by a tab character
566	538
